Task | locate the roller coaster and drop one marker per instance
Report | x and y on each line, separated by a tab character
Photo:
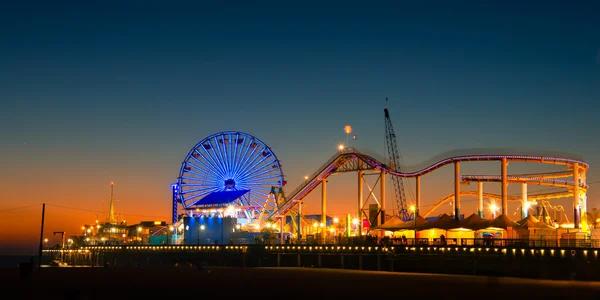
352	160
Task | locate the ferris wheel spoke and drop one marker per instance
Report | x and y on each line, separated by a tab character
223	160
205	172
226	154
259	168
194	179
256	174
252	166
257	202
209	149
243	165
196	190
210	179
210	161
206	163
240	155
232	152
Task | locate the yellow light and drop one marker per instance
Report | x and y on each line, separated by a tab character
355	221
493	207
341	147
412	208
305	177
348	129
322	225
315	225
336	220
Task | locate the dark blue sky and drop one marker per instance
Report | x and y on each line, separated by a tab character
117	90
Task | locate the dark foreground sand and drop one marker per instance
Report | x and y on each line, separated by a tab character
274	283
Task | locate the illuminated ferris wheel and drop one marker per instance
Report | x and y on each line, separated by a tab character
229	168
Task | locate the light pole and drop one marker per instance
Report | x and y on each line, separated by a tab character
493	208
201	229
414	210
168	239
355	222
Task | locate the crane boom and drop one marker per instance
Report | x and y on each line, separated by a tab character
395	163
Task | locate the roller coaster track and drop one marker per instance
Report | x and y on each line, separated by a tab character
536	197
350	159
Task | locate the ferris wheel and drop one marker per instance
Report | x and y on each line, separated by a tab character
233	165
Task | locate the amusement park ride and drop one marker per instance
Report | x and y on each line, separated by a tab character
234	174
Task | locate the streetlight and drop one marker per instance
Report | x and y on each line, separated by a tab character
202	227
414	210
355	222
493	209
347	130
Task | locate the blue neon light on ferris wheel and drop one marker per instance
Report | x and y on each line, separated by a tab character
229	161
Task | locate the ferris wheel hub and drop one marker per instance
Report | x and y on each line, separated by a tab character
229	183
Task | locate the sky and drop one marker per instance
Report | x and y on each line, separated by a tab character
93	92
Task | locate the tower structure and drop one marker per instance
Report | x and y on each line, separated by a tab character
111	208
395	164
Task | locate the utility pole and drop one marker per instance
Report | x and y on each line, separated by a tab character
41	238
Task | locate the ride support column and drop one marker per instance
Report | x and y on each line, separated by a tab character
504	183
323	206
360	202
418	196
382	195
480	198
524	202
576	215
456	190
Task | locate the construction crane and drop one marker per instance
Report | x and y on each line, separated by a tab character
395	164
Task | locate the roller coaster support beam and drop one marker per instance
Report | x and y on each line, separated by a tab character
299	221
576	205
524	202
323	206
456	190
504	183
281	229
480	199
382	197
418	196
360	201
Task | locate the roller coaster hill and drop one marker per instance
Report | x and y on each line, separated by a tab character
230	189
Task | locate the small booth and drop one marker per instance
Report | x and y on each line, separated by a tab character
407	229
436	229
497	230
537	232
